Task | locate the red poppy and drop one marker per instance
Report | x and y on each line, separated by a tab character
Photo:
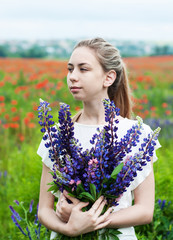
1	84
53	92
21	137
59	85
15	119
31	125
6	116
26	120
6	125
14	125
30	115
2	104
13	102
153	108
13	109
77	108
2	98
168	112
164	105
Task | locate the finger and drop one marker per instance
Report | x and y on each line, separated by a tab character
74	200
57	208
100	208
103	217
63	219
59	199
81	205
103	224
97	203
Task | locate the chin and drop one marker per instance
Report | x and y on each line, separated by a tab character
78	98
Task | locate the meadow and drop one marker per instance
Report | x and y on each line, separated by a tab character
24	81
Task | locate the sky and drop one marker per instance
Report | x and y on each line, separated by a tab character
58	19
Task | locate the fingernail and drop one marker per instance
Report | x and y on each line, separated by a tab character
111	209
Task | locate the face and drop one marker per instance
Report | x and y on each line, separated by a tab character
86	77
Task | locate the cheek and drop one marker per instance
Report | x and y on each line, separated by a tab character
68	80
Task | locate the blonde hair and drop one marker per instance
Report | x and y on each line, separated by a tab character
110	59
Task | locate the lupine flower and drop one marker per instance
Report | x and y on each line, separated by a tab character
162	203
36	216
15	214
17	224
29	234
31	205
17	202
32	230
107	168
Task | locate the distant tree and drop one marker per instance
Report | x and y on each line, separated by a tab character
162	50
34	52
3	52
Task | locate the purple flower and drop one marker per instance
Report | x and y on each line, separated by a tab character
29	234
17	202
108	165
36	216
162	203
15	213
31	205
17	224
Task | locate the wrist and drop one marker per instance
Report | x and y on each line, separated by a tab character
70	231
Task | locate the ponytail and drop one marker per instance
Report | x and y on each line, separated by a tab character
120	93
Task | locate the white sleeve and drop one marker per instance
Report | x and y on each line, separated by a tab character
44	154
141	175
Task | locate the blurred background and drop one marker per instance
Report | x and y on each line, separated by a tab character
36	40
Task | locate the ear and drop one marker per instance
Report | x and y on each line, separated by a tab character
110	78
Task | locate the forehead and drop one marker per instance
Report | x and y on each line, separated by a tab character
83	54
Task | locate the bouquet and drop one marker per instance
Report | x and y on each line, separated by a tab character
106	169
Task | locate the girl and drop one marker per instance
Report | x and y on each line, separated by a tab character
95	72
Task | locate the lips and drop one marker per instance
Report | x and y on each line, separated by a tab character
75	89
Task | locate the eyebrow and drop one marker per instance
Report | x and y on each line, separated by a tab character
80	64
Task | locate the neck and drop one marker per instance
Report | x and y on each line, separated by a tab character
93	113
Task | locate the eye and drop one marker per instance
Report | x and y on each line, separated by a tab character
70	69
84	69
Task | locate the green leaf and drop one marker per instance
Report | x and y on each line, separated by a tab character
54	188
100	193
117	170
93	190
68	189
72	195
87	196
52	173
51	183
109	196
80	188
114	231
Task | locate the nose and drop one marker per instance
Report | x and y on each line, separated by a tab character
73	76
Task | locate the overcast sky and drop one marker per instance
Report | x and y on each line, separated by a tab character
118	19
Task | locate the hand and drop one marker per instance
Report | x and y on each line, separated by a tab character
64	208
91	220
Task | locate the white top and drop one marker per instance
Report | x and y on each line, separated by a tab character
84	133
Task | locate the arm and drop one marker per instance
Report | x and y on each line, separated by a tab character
46	213
142	210
79	222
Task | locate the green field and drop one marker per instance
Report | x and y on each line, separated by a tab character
23	82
